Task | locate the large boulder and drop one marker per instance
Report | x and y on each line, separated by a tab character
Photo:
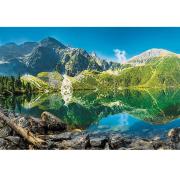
52	123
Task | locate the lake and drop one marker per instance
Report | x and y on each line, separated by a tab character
143	113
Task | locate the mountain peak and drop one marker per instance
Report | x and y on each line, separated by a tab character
93	54
147	55
158	52
52	42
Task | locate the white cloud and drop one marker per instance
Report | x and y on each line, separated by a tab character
120	55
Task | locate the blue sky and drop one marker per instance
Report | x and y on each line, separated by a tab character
106	42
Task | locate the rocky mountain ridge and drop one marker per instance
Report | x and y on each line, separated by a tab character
48	55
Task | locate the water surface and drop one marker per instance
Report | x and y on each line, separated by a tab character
142	113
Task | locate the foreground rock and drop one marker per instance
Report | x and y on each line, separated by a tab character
174	135
52	123
55	134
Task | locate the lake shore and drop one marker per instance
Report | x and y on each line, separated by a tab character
49	132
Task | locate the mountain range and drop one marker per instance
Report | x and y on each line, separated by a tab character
49	55
152	68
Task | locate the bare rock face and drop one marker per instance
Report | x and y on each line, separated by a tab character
52	123
148	55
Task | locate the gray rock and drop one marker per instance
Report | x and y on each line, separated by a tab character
22	121
107	147
1	124
13	139
79	142
117	141
36	126
140	144
5	131
174	135
99	142
60	137
158	144
2	143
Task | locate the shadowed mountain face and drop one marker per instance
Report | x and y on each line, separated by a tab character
12	50
48	55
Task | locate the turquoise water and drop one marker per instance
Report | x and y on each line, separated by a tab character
127	124
145	113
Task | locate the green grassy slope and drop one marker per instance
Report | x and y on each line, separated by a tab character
161	73
53	79
35	82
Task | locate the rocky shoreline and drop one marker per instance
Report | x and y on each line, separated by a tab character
49	132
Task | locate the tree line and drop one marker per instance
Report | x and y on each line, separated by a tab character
14	85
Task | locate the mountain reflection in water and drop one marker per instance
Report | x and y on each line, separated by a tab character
143	113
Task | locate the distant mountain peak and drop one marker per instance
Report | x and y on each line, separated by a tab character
52	43
147	55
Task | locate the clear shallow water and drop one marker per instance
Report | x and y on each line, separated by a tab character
145	113
127	124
